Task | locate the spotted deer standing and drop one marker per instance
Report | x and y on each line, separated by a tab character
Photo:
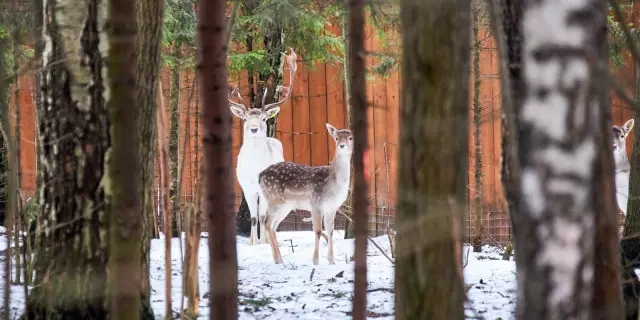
621	163
259	151
322	190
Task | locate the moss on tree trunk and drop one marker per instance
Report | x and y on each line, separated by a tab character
433	159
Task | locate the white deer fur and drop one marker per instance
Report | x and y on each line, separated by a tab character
258	151
256	154
322	190
621	163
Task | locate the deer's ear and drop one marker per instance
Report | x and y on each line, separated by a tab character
628	126
332	130
272	112
238	112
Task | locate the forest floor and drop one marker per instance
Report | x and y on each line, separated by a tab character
299	290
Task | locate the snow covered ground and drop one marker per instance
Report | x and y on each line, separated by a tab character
299	290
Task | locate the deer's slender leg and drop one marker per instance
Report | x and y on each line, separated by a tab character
262	215
271	223
316	220
329	219
252	203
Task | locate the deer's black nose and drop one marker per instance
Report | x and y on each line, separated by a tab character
342	146
254	130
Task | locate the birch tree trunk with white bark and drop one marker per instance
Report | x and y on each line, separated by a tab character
563	156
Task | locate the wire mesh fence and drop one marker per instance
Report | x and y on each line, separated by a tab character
496	228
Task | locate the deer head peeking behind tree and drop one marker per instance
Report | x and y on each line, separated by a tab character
259	151
621	163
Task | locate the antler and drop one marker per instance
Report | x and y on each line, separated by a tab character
291	61
236	92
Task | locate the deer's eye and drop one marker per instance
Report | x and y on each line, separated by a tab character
335	138
350	138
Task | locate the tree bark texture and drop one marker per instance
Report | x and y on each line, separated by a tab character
174	136
349	233
358	112
194	229
218	147
10	183
123	161
477	125
433	158
73	223
148	55
73	251
565	166
509	47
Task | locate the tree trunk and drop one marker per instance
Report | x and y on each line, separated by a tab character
477	125
358	112
433	159
174	135
10	179
123	171
349	232
148	56
73	223
217	146
16	35
505	18
194	229
37	32
566	209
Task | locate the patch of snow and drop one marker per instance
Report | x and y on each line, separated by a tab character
287	291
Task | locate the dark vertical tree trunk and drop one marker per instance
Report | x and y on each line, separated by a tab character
348	228
477	125
174	135
4	109
359	126
194	228
564	220
75	133
123	191
37	37
505	17
217	146
433	159
148	55
17	223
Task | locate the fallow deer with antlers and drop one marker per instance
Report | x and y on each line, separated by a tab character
322	190
259	151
